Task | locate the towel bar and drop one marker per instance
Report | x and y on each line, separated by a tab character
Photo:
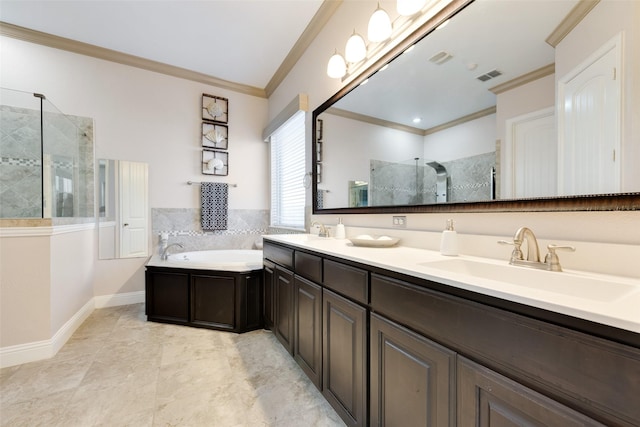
198	183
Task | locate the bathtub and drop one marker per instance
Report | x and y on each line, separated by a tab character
216	289
235	260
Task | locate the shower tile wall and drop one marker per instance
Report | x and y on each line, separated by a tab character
20	175
68	155
405	184
244	229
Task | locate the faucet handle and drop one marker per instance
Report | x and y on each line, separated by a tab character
517	252
552	260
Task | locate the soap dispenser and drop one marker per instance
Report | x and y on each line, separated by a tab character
340	233
449	240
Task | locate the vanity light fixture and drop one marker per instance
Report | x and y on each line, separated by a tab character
380	31
379	26
409	7
356	49
337	66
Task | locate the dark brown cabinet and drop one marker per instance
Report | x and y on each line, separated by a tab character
284	307
344	364
268	294
412	378
399	350
487	399
226	301
308	328
167	296
213	301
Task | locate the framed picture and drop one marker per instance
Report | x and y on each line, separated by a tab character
215	136
215	162
215	108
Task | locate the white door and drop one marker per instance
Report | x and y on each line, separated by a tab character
133	210
530	168
589	109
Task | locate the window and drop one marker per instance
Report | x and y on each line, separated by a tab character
287	173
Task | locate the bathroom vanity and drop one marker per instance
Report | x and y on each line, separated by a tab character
391	340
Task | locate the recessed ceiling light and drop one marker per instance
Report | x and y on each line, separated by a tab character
417	120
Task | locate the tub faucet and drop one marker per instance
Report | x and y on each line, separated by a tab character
165	253
551	260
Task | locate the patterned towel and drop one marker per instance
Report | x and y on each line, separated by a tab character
214	200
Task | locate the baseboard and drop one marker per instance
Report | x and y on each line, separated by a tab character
128	298
39	350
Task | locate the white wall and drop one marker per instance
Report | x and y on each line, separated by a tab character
464	140
358	142
309	76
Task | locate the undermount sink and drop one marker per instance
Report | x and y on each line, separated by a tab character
564	283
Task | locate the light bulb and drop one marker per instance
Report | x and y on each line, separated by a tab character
356	50
409	7
337	67
379	26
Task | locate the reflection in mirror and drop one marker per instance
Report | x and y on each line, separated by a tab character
122	209
510	100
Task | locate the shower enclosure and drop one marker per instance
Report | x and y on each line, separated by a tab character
46	160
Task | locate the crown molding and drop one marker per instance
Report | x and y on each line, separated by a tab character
45	39
524	79
317	23
570	21
461	120
373	120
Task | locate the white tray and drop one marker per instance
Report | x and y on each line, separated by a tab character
374	241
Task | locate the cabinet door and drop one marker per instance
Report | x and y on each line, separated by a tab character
344	364
268	296
308	328
167	296
284	315
412	378
214	301
486	398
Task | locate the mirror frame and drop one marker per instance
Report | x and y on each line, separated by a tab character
595	202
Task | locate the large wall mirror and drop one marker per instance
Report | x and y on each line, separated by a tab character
512	105
123	209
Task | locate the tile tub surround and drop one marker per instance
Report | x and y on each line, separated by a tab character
245	229
118	369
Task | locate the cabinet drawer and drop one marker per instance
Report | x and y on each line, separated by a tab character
349	281
309	266
278	254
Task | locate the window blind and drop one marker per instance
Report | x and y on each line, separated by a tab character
287	173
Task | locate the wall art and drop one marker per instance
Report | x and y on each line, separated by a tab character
215	162
215	136
215	108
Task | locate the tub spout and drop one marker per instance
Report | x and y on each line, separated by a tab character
165	253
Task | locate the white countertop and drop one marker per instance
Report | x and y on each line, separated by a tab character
617	309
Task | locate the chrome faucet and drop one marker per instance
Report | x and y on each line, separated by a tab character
165	252
551	260
323	229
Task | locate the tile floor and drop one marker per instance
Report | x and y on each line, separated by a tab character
120	370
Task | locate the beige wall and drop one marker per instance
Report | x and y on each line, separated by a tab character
24	290
72	262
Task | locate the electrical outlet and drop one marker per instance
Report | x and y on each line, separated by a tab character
400	221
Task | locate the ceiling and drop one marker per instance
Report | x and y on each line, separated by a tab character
241	41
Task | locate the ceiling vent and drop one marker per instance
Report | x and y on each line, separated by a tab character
441	57
490	75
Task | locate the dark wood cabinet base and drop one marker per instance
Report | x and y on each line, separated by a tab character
218	300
